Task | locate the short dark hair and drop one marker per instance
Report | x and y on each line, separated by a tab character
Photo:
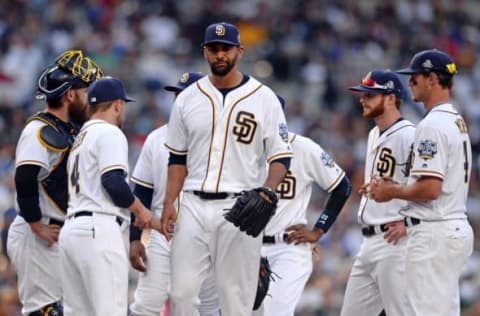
444	80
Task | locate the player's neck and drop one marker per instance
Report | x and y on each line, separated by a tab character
61	113
387	119
440	96
230	80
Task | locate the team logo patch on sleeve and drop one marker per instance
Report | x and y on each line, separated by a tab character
427	149
327	160
283	131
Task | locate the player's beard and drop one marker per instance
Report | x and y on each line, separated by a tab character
375	110
222	71
78	111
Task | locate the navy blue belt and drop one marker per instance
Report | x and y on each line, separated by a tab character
215	195
267	239
53	221
119	220
376	229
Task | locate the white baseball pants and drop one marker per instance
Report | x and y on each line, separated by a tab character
153	287
377	279
436	255
93	267
292	266
204	240
37	267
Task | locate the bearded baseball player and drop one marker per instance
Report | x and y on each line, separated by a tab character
93	256
150	178
222	131
41	181
436	191
376	280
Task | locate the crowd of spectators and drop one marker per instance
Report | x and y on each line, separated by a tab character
309	51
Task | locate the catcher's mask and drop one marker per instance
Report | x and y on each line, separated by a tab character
71	70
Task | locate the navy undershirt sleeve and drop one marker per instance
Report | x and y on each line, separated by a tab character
26	184
283	161
117	188
334	205
175	159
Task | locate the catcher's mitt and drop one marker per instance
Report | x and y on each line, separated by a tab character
251	212
264	276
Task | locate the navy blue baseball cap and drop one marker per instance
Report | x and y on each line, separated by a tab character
431	60
185	80
107	89
222	32
383	82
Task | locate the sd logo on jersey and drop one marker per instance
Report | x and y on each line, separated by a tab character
427	149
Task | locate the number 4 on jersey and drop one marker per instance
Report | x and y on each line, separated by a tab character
74	176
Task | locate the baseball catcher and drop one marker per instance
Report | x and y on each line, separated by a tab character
252	210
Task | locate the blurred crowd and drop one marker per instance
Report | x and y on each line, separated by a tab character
308	51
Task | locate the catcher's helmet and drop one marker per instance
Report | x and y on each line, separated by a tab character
431	60
71	70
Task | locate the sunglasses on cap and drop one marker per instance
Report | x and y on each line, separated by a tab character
370	83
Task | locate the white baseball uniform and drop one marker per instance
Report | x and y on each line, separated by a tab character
93	256
36	264
376	280
293	263
440	245
226	140
153	287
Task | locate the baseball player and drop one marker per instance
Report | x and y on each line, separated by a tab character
93	257
376	280
41	181
437	188
287	240
219	133
150	178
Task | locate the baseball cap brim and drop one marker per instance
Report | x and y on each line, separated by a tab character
129	99
173	88
220	41
365	89
407	71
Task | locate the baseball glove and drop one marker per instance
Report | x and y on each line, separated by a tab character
251	211
264	277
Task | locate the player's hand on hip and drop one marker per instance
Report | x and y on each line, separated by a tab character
138	256
168	220
395	231
301	234
48	233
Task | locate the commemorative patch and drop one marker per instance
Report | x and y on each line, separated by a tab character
327	160
283	131
427	149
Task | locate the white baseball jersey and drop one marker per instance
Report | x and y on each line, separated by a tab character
387	155
99	147
30	151
311	165
227	139
442	149
151	169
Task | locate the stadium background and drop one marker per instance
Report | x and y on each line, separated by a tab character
309	51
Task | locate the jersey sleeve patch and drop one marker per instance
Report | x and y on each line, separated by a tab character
327	160
427	149
283	131
52	139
